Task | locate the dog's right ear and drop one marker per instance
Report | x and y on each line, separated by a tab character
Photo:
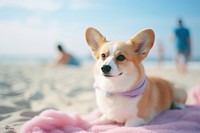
95	40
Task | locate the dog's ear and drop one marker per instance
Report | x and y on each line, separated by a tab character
143	42
95	40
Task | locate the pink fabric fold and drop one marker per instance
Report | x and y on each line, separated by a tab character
172	121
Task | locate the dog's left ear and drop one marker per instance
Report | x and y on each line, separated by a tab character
95	40
143	42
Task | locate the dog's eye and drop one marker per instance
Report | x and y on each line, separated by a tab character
103	56
120	58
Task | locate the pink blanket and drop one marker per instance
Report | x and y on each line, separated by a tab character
171	121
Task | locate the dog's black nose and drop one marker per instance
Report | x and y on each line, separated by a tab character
105	68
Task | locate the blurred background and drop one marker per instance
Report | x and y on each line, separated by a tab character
31	29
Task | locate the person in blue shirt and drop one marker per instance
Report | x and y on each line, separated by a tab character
183	46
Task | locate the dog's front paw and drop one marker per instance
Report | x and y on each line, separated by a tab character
101	121
135	122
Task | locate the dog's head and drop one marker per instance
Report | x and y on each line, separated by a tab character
119	63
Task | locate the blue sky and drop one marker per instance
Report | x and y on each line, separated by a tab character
33	27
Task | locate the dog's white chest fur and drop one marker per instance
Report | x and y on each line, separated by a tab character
116	107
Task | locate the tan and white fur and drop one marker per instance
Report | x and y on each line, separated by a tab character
125	72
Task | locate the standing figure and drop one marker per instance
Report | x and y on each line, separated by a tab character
183	46
160	53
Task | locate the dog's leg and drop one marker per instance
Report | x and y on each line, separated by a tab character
102	120
134	122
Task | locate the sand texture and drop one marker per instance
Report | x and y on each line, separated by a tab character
28	89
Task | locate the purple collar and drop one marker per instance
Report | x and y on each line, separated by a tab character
136	91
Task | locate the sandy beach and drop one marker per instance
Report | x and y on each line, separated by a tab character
28	89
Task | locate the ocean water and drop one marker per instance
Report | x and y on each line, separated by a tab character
50	59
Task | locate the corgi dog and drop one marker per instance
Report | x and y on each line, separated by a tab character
124	94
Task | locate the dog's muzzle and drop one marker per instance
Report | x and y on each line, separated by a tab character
106	69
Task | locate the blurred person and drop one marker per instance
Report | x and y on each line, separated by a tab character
65	57
183	46
160	52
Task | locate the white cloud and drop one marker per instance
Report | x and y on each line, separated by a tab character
24	39
48	5
30	37
33	21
